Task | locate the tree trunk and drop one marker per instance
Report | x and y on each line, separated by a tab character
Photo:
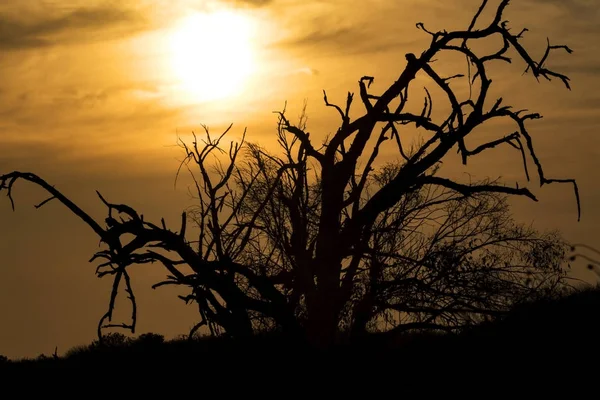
322	324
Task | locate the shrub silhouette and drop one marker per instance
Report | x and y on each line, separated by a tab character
113	339
149	339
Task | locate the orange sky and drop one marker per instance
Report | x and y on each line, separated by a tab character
92	96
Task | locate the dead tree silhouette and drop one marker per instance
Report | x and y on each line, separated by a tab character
352	247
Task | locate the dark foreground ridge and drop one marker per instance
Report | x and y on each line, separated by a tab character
551	333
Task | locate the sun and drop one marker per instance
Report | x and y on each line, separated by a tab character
212	54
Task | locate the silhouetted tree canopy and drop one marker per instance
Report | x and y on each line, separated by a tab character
320	239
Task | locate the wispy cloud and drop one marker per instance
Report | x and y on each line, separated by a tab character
32	30
344	27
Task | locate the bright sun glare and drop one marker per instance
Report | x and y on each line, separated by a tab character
212	54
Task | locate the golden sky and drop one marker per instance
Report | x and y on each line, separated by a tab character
93	95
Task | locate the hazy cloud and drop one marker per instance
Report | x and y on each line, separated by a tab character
81	24
345	42
567	15
306	71
347	28
249	3
585	8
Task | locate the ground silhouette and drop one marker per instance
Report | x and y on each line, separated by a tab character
543	334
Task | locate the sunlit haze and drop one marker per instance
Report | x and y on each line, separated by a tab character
212	54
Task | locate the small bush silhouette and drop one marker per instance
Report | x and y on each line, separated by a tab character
112	340
149	339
